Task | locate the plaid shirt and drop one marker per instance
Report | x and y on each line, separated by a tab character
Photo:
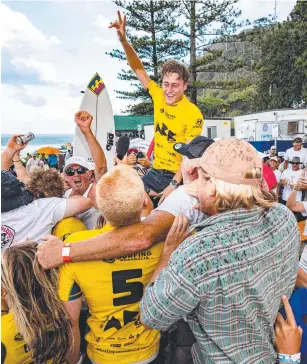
227	280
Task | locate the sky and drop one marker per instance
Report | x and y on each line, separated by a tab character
51	49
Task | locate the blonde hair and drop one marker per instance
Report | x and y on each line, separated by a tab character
120	196
31	294
229	196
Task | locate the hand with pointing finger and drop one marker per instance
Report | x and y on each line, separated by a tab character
288	336
120	26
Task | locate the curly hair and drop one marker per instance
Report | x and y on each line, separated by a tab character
48	183
173	66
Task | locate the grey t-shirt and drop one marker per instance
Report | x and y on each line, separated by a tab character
179	202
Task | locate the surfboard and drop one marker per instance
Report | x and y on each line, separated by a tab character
96	101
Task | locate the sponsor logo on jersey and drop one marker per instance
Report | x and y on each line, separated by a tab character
137	256
18	337
164	131
7	236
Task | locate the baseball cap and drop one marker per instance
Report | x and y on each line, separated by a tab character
297	140
75	160
194	149
13	193
274	159
229	159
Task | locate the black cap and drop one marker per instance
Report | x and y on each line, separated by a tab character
297	140
13	193
195	149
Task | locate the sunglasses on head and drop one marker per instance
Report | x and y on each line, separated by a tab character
71	171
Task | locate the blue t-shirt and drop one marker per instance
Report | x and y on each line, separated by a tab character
52	160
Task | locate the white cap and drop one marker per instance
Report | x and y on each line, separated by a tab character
90	166
75	160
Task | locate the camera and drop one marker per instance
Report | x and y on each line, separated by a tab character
140	155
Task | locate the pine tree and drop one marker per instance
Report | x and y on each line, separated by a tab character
157	22
199	32
283	68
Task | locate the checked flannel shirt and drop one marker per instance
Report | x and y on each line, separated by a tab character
227	280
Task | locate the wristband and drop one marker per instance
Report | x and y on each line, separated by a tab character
287	358
19	160
66	253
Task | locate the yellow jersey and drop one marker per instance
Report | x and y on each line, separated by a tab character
178	123
113	289
14	349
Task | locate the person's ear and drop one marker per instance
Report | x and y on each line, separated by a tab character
211	188
185	86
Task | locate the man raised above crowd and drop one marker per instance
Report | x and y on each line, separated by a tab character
176	119
77	173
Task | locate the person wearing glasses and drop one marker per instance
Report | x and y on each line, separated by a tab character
289	178
30	208
78	175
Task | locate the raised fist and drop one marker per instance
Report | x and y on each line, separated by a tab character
84	121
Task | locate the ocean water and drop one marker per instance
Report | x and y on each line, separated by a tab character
41	140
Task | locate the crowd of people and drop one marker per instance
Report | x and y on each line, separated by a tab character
186	257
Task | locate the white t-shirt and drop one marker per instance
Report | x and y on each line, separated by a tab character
33	164
292	177
89	217
290	153
277	175
179	202
32	221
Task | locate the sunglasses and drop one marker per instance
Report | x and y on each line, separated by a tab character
296	164
71	171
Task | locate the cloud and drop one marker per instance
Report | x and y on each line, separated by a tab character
101	21
104	42
45	70
55	113
18	32
31	100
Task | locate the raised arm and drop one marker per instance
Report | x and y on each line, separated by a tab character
8	153
119	242
21	171
132	58
292	204
84	120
